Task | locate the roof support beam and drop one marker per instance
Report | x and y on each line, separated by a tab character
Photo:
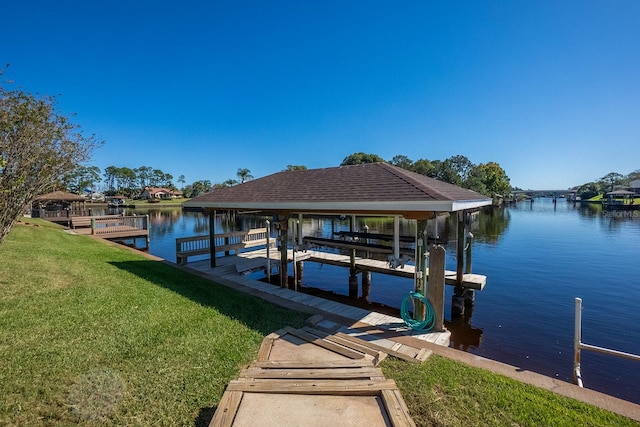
396	236
212	237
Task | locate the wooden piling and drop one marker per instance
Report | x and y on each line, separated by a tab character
461	232
366	285
435	295
420	283
353	279
299	272
282	236
212	237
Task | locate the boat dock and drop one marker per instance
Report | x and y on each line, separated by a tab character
113	227
227	270
471	281
256	260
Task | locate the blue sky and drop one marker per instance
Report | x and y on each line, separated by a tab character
550	90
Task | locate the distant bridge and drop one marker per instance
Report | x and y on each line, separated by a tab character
543	193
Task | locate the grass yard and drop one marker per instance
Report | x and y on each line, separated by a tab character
443	392
95	334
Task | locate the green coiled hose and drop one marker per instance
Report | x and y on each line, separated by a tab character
430	314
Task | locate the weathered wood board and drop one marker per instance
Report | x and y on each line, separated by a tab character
310	378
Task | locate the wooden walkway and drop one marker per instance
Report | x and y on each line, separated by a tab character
307	377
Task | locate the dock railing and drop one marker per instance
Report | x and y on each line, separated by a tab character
118	224
224	242
578	345
61	213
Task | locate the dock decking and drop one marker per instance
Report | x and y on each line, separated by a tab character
471	281
247	262
113	227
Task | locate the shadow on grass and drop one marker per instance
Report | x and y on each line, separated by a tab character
255	313
205	416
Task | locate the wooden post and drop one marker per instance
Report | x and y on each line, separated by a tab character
212	237
145	226
437	256
300	272
282	236
396	237
366	285
295	267
366	275
420	275
353	279
470	294
460	252
268	251
457	299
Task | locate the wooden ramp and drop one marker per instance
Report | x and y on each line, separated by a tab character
306	377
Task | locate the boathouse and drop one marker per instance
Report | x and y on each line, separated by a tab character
58	206
366	190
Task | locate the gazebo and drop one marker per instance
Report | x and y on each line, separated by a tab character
374	189
58	205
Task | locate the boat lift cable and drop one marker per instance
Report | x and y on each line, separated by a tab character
418	325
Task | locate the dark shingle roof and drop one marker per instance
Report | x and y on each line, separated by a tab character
372	187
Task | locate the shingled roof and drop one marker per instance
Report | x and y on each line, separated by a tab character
60	196
372	188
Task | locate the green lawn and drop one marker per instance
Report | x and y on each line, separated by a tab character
95	334
443	392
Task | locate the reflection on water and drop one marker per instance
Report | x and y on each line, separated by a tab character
537	258
463	335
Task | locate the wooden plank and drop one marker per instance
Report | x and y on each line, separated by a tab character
343	244
328	364
338	387
227	409
360	347
397	409
424	354
324	344
265	349
390	352
312	374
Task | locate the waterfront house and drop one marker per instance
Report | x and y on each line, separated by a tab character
159	193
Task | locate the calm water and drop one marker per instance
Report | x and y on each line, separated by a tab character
537	258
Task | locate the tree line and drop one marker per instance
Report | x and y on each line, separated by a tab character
607	183
130	182
488	179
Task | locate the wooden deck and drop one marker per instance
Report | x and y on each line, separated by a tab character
471	281
251	261
113	227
